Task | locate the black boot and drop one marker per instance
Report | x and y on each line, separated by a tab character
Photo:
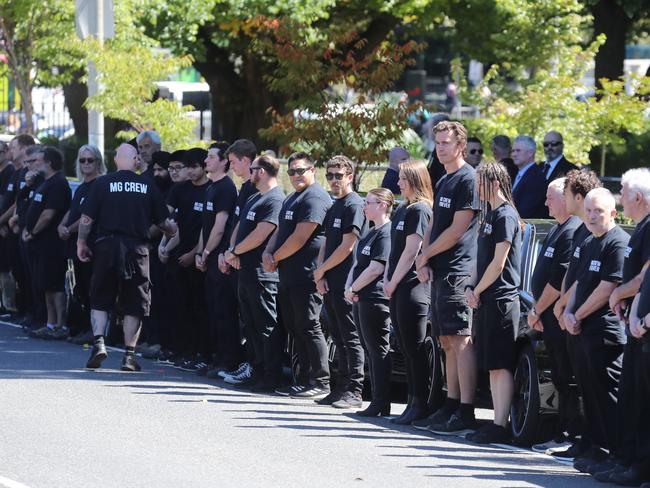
409	404
416	411
376	409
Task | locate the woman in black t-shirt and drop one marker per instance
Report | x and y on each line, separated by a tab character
409	299
364	287
496	294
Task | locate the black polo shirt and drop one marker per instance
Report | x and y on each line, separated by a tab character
407	220
309	205
188	200
220	196
344	216
601	259
455	192
501	225
261	207
374	245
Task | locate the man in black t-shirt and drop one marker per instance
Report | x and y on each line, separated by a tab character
217	222
448	254
258	288
600	335
123	205
49	204
7	287
293	250
344	224
550	268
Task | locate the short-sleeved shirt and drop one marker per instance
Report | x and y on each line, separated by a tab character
374	245
245	192
344	216
637	252
10	190
53	194
455	192
553	259
76	209
309	205
261	207
501	225
408	220
580	237
602	260
643	308
5	178
188	200
25	195
220	196
125	204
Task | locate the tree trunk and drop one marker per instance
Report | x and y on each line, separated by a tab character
75	94
610	19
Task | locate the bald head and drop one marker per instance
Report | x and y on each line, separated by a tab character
126	157
600	210
553	145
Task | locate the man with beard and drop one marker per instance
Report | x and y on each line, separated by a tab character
148	143
556	165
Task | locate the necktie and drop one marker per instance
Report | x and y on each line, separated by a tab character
547	166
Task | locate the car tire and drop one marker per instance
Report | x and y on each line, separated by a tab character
525	417
435	380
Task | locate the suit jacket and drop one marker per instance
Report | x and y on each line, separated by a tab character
561	169
530	194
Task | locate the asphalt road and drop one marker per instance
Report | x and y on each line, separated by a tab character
64	426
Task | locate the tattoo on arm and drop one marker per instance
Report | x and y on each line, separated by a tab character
85	225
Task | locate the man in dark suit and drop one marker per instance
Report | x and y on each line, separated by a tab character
529	185
556	165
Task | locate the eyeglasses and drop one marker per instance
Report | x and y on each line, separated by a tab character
338	176
29	161
474	151
297	171
175	168
552	144
254	168
86	160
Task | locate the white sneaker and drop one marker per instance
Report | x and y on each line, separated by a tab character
241	377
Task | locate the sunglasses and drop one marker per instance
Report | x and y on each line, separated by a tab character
30	161
552	144
86	160
297	171
474	151
338	176
254	168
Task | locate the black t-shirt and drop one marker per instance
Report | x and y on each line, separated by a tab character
187	199
501	225
25	195
53	194
125	204
601	260
643	308
637	251
310	205
261	207
580	237
247	189
10	190
455	192
344	216
553	259
5	179
76	209
220	196
407	220
374	245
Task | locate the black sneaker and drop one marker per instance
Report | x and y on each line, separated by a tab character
166	358
334	396
188	365
97	356
290	390
265	385
576	450
456	425
440	416
349	400
490	434
595	455
129	363
59	333
312	392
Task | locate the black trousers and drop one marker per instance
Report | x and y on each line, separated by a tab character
597	368
258	308
643	406
38	310
300	308
191	331
153	325
83	272
23	288
409	308
373	319
344	332
223	316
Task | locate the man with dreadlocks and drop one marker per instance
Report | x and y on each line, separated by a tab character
496	295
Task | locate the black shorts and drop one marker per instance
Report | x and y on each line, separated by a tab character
112	283
49	272
450	313
496	332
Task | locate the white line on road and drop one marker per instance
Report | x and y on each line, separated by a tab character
6	482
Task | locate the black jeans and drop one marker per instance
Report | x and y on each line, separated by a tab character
191	331
409	308
83	272
258	308
341	326
153	326
300	308
597	368
373	319
36	297
223	316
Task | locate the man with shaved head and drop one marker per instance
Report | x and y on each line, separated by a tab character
600	335
556	165
123	205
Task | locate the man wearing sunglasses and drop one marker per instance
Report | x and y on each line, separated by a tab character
474	151
344	223
293	250
556	165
